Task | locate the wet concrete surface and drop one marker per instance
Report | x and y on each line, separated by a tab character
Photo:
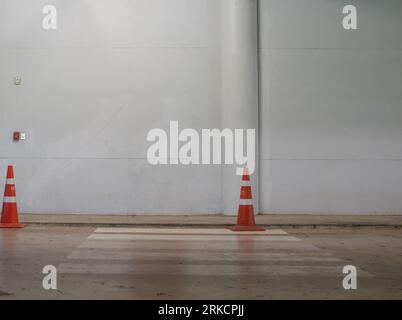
191	263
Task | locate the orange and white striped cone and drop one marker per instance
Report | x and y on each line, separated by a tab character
9	215
245	217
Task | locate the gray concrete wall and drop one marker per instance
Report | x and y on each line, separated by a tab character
93	89
331	107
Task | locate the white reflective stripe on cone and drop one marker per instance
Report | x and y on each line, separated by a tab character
10	200
10	181
246	184
246	202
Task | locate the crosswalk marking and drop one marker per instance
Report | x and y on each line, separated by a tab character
211	246
188	237
192	231
122	255
202	270
199	252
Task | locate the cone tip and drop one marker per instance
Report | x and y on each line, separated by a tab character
10	172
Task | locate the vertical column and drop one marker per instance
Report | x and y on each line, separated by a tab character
239	92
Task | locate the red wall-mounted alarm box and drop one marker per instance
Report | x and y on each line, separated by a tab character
16	136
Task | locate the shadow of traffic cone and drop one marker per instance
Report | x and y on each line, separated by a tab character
9	215
245	217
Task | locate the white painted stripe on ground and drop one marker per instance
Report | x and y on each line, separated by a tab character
237	246
122	255
185	237
204	270
10	200
195	231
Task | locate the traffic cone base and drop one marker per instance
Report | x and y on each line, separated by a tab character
12	225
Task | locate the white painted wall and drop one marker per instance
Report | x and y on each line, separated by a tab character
330	104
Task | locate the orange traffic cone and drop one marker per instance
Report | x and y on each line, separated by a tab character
9	215
245	217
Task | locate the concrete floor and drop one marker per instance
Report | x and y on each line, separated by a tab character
207	263
276	220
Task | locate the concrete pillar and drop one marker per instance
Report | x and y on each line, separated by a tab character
239	54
